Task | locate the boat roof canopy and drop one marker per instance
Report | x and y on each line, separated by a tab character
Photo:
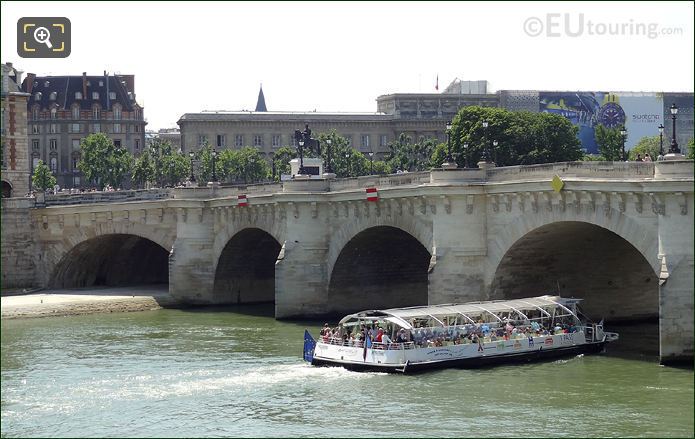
400	316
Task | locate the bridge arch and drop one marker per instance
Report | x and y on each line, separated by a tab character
112	260
245	268
609	260
379	267
6	189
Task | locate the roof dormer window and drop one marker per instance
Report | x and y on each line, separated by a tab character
78	95
95	95
112	95
53	96
101	83
37	96
46	84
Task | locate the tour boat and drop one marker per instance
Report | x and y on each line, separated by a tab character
457	335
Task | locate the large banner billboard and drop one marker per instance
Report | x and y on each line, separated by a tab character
640	113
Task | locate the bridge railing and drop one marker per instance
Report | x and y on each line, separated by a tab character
608	170
61	199
405	179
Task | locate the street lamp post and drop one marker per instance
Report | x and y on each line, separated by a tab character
494	147
674	149
272	161
465	155
329	167
486	150
214	174
347	160
623	135
661	141
371	162
449	162
191	155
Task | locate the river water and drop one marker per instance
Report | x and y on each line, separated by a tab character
238	372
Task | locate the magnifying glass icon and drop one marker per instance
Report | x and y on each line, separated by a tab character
42	36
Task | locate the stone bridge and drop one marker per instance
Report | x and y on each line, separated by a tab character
619	235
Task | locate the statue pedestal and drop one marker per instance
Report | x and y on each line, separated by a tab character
674	156
301	177
448	165
328	175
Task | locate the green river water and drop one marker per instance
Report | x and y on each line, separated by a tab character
237	372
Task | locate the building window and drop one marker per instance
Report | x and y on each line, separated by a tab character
95	95
37	96
117	143
54	128
383	140
75	112
137	143
96	113
53	113
96	128
117	112
34	145
137	113
54	164
221	141
239	140
137	128
112	95
74	162
276	140
53	96
75	144
35	113
117	128
75	128
364	141
101	83
34	129
53	144
257	140
78	95
202	139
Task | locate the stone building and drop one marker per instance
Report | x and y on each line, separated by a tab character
424	115
15	155
63	110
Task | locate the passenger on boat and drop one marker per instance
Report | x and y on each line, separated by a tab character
401	337
385	339
323	330
535	326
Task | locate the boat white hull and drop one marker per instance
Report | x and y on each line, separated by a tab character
463	355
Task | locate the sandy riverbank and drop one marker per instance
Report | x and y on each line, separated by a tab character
91	300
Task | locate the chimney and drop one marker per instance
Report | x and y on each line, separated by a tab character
84	85
30	82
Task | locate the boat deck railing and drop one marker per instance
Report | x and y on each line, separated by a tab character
374	344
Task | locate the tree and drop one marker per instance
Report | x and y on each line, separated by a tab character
408	156
102	162
282	159
343	159
175	168
143	169
523	138
205	156
691	149
646	145
244	165
43	177
610	142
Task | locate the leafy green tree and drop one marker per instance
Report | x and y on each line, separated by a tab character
204	154
382	167
175	168
343	158
43	177
523	138
408	156
102	163
245	165
143	169
691	149
610	142
282	159
646	145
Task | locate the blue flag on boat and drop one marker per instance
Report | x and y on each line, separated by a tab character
309	346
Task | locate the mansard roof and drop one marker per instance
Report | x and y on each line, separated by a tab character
65	88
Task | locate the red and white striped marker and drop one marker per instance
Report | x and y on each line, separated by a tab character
372	194
242	201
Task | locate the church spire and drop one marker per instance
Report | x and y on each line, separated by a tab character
260	105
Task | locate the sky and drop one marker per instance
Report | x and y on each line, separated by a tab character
340	56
